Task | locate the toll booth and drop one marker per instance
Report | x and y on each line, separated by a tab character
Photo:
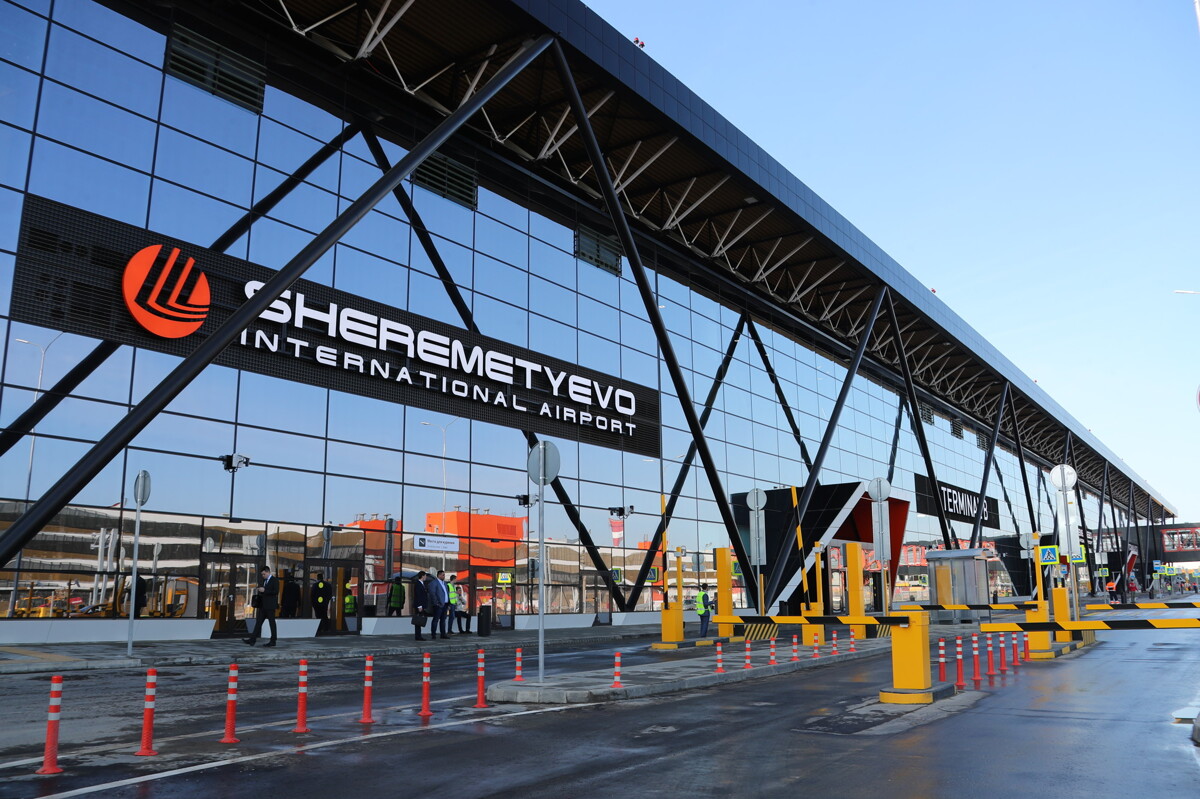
957	577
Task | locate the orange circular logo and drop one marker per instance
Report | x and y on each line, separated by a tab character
166	297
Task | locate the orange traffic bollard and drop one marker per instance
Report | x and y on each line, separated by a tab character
720	660
368	686
617	672
518	678
50	756
425	711
148	714
480	689
302	699
231	692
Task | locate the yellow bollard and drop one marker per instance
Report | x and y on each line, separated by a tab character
854	582
912	683
724	589
1062	612
1039	643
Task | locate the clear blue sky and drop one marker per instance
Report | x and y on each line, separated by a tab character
1034	162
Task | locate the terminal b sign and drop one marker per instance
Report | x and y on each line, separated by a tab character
83	273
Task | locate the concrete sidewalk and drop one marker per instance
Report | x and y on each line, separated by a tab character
55	658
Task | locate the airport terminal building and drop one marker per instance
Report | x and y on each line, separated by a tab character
328	271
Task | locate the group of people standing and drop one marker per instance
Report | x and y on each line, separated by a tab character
437	599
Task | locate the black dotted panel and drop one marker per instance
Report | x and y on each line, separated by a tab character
68	275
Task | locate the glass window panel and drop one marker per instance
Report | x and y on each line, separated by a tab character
551	232
264	492
639	367
501	320
273	244
96	126
10	218
20	95
459	260
357	176
102	71
197	112
367	276
445	218
305	206
501	281
552	300
365	420
284	150
187	435
597	283
436	471
204	167
501	241
293	111
348	498
51	457
553	339
113	29
362	461
212	393
600	354
73	418
553	264
6	277
427	296
195	217
85	181
22	36
499	446
639	334
379	233
503	209
599	318
281	449
271	402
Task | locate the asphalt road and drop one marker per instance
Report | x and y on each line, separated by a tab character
1093	724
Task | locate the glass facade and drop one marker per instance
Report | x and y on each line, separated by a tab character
90	119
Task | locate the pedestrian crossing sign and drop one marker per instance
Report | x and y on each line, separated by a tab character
1102	571
1048	556
1079	557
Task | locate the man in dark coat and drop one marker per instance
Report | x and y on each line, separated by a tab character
289	603
267	594
421	605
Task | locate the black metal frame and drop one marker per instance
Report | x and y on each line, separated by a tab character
810	483
977	527
36	517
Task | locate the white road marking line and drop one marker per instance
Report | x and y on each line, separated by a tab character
297	749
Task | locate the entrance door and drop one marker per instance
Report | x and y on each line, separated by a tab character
494	587
596	597
229	583
343	593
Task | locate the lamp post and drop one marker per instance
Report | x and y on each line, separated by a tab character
443	428
12	602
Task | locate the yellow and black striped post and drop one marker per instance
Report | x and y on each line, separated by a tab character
1072	626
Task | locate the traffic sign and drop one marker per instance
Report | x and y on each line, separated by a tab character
1048	556
617	575
652	576
1080	556
1102	571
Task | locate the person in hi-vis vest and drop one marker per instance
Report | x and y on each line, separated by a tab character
703	610
321	596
